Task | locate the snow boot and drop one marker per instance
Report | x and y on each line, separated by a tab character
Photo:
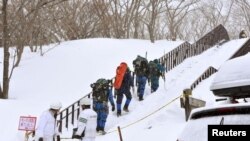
125	108
140	98
119	113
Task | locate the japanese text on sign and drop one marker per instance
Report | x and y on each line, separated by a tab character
27	123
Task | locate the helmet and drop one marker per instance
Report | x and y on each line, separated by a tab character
85	101
56	105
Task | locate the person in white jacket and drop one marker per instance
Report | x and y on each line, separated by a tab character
87	121
46	128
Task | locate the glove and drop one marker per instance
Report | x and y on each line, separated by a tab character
76	137
40	139
113	107
58	138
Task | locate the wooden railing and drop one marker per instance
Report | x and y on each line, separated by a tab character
243	50
176	56
213	37
170	60
207	73
173	58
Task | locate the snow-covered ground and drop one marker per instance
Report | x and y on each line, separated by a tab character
65	72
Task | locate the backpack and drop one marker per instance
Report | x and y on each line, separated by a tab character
120	71
100	90
153	69
140	65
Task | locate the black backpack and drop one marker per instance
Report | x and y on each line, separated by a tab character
100	90
140	66
153	69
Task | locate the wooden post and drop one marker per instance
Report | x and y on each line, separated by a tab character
186	94
26	136
29	134
120	134
189	103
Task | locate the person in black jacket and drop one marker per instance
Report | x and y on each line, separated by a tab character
127	83
141	71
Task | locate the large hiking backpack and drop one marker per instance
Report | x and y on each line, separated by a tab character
140	65
100	90
120	72
153	69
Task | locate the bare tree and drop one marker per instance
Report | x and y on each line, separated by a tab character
18	18
244	7
176	11
132	18
102	12
240	17
5	90
151	14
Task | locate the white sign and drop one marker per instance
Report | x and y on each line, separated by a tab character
27	123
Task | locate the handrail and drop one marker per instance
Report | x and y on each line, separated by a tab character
64	114
207	73
186	50
243	50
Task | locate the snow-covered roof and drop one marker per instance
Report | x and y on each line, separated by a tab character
233	73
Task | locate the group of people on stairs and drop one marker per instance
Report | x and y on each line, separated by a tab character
94	112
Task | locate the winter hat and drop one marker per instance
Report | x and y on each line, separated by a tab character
56	105
85	101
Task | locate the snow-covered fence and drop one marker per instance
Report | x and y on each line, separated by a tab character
213	37
207	73
189	103
176	56
243	50
185	50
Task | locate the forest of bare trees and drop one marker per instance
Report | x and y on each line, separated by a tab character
34	23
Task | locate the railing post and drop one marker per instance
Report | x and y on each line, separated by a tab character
73	114
186	94
60	124
67	118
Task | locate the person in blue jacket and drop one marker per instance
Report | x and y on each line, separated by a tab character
155	75
102	93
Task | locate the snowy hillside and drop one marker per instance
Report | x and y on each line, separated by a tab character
66	71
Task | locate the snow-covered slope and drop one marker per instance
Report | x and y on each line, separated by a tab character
65	72
171	117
